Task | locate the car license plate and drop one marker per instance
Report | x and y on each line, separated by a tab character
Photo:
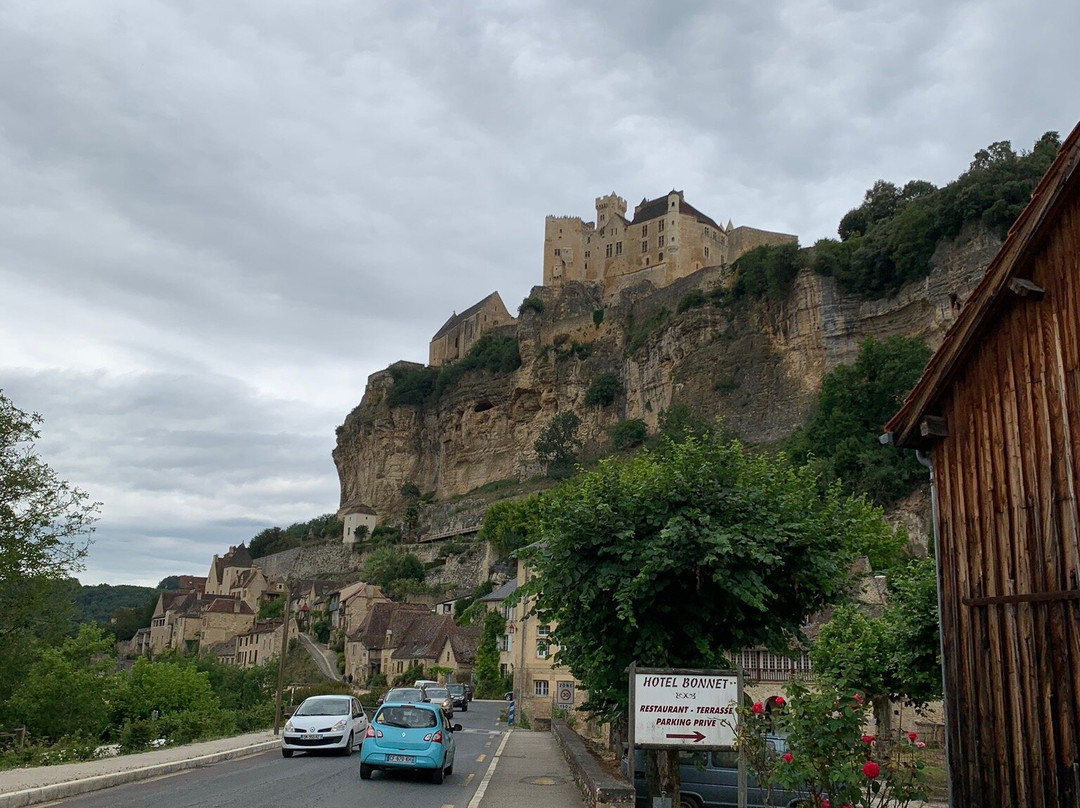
313	737
400	759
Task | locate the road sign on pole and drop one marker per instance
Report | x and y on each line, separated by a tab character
564	694
676	708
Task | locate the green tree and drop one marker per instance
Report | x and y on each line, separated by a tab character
841	439
67	690
628	434
387	565
558	444
168	687
602	390
511	524
486	670
45	528
682	559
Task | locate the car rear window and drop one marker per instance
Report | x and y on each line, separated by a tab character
407	717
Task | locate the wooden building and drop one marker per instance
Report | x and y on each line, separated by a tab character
998	411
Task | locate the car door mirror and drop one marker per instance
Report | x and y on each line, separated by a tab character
455	728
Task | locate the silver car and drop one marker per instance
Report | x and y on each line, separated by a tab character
335	723
442	697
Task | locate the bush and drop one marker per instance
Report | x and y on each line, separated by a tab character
627	434
767	271
412	385
602	390
386	534
531	303
410	489
597	317
638	333
691	300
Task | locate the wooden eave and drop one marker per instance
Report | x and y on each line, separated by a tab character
986	301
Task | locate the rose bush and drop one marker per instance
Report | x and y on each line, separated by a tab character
828	754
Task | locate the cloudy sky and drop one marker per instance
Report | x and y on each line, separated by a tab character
218	218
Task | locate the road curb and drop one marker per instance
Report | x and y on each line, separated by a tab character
73	788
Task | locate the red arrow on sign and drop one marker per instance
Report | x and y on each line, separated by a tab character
697	737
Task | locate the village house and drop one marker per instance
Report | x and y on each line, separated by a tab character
262	643
459	653
996	416
353	517
355	602
369	647
223	619
224	571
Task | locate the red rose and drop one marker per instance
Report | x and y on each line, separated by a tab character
757	708
871	769
824	803
858	699
913	736
780	702
787	757
867	738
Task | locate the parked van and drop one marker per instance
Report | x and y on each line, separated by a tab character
711	780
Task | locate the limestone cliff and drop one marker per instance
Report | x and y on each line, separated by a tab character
758	365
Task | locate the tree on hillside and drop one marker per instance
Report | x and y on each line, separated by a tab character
681	559
511	524
45	527
486	670
558	444
841	439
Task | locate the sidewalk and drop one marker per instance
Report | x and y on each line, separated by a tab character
528	769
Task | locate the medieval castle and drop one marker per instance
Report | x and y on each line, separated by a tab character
667	239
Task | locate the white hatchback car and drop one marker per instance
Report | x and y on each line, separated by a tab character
335	723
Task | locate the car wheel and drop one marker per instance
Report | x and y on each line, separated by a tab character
449	769
365	771
689	801
286	753
465	709
348	746
437	775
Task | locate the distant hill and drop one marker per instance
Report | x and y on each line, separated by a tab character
96	604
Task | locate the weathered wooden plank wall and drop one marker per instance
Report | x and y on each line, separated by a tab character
1009	533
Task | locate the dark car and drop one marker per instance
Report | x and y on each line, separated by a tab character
711	780
460	696
468	690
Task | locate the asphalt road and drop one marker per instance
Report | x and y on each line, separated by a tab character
317	780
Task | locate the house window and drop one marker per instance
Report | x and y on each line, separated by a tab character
540	687
505	643
609	251
660	225
543	631
618	248
541	649
508	611
644	230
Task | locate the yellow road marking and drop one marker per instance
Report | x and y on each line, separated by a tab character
481	758
468	779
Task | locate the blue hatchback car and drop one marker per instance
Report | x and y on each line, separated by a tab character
413	736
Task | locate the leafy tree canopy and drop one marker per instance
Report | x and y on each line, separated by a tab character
45	528
558	444
841	439
510	524
276	539
387	565
767	271
677	560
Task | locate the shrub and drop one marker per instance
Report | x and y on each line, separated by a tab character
597	317
691	300
410	489
627	434
412	385
767	271
386	534
531	303
602	390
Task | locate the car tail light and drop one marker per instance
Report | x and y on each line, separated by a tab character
370	732
437	737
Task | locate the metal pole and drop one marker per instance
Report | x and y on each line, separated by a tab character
281	663
631	762
742	747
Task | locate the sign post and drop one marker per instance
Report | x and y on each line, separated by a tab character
678	708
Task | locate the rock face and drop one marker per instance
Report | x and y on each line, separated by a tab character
756	364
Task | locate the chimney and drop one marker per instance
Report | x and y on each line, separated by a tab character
236	607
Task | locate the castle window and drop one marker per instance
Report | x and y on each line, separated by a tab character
646	260
706	252
644	230
588	253
609	251
644	246
558	251
618	248
660	241
659	258
660	225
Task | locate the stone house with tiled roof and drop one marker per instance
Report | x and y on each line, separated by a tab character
355	602
459	652
174	621
369	647
222	619
262	643
422	642
354	516
225	570
461	331
666	239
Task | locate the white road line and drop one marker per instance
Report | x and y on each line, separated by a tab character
479	795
